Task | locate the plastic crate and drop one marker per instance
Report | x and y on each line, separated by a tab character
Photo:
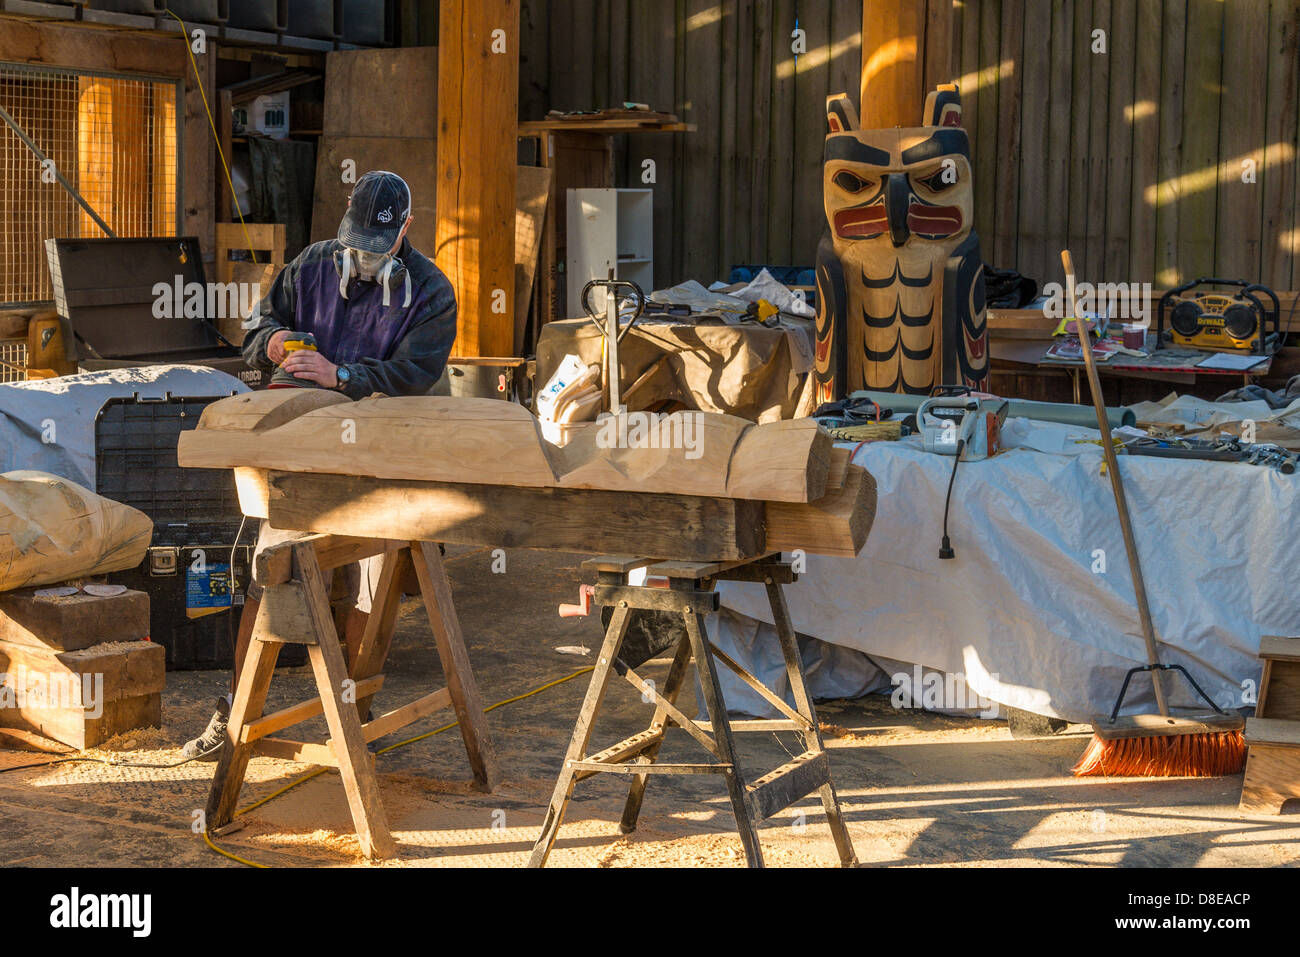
135	464
193	602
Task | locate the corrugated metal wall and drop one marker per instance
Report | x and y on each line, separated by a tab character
1134	156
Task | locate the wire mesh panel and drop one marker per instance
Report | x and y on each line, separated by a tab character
115	139
13	360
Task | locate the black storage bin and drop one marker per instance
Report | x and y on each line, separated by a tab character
194	610
313	18
104	292
196	11
257	15
365	22
146	8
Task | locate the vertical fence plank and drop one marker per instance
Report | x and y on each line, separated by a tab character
969	73
1173	50
1036	81
652	28
812	78
1197	206
1145	117
1058	106
1280	229
1241	141
1121	115
1006	200
738	98
1081	67
986	149
759	162
534	59
1092	264
780	190
698	239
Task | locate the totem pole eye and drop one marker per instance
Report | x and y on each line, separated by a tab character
849	182
936	181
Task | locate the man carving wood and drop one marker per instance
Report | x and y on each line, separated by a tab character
384	319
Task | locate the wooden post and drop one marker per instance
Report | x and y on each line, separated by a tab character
905	53
478	108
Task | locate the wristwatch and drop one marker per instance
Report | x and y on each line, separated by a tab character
344	377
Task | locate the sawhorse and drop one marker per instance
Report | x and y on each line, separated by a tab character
295	608
691	594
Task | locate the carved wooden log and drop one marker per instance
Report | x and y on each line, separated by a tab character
52	529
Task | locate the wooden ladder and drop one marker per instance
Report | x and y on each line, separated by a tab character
295	608
691	594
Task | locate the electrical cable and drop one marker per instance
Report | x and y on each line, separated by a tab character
392	747
945	549
216	138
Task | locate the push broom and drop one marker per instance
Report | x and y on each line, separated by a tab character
1204	744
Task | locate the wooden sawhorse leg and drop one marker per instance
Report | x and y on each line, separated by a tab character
295	608
691	594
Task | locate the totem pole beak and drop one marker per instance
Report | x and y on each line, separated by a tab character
898	197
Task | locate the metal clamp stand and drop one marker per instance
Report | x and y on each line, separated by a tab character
691	594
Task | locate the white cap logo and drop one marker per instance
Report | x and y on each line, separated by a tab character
386	216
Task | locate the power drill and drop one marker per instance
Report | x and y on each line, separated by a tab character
287	380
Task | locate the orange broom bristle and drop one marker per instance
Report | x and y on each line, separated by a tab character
1203	755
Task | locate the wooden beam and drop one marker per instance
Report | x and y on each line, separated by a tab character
893	63
478	107
298	713
274	564
407	714
681	527
91	48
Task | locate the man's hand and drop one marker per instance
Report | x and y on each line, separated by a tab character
275	345
307	364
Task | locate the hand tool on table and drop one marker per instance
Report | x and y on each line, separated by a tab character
610	329
957	420
1229	448
1204	744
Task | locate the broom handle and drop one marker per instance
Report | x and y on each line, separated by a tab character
1116	484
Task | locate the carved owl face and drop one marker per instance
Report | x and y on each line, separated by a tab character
901	187
899	207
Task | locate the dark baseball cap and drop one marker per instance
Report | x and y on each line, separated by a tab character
381	202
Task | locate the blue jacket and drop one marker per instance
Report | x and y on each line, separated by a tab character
394	351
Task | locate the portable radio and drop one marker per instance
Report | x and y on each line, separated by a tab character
1219	321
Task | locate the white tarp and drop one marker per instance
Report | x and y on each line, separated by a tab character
1020	613
49	424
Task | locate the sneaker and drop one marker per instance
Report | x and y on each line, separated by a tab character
207	746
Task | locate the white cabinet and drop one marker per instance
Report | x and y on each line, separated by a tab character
608	228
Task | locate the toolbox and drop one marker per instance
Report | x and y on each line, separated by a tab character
134	302
197	540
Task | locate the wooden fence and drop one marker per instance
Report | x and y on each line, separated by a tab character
1162	148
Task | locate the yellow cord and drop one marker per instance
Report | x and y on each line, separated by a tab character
392	747
216	138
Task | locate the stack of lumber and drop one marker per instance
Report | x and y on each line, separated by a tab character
690	486
76	670
52	530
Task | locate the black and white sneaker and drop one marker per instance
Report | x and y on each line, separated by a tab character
207	746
